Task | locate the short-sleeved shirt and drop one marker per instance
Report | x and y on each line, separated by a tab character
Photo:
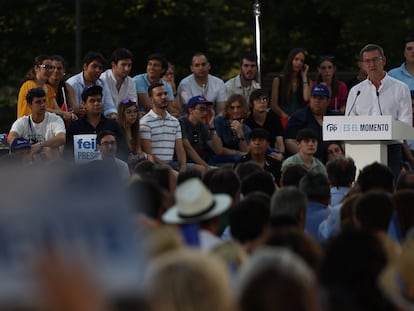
51	125
198	136
226	134
234	86
142	84
162	133
214	91
23	108
78	84
316	167
272	124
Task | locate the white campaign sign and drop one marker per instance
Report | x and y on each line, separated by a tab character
357	128
85	148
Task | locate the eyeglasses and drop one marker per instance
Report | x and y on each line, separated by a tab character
108	143
371	60
127	101
201	109
47	67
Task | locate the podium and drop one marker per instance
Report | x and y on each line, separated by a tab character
366	137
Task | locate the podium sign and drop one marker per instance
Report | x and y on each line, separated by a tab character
366	137
365	128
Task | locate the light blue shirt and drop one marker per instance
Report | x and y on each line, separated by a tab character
142	84
401	73
78	84
315	214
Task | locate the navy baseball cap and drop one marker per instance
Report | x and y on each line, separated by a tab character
320	90
20	143
197	100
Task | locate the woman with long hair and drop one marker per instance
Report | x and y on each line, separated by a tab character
337	89
291	89
129	121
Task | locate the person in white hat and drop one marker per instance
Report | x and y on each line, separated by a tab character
195	204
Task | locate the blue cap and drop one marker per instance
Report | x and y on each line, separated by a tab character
320	90
197	100
20	143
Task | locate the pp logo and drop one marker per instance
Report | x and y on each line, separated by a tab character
331	127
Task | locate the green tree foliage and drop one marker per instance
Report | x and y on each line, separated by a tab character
223	29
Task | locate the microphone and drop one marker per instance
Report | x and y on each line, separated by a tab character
353	104
379	106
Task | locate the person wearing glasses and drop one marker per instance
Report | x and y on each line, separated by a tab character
41	128
94	122
232	130
200	140
244	83
37	77
261	118
107	146
117	78
380	94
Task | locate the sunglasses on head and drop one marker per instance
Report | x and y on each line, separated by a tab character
127	101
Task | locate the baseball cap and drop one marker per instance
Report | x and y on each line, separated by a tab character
20	143
320	90
197	100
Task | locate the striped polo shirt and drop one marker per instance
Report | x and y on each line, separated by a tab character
162	132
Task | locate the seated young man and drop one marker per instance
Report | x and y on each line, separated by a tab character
258	146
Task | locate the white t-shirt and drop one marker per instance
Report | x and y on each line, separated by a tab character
51	125
214	91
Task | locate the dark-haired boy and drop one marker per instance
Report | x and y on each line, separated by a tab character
93	64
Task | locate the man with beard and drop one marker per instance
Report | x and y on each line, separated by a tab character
244	83
160	131
93	64
201	83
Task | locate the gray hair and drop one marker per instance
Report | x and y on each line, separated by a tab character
288	201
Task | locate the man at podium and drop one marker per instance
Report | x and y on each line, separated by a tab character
380	94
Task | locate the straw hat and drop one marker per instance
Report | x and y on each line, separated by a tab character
195	203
